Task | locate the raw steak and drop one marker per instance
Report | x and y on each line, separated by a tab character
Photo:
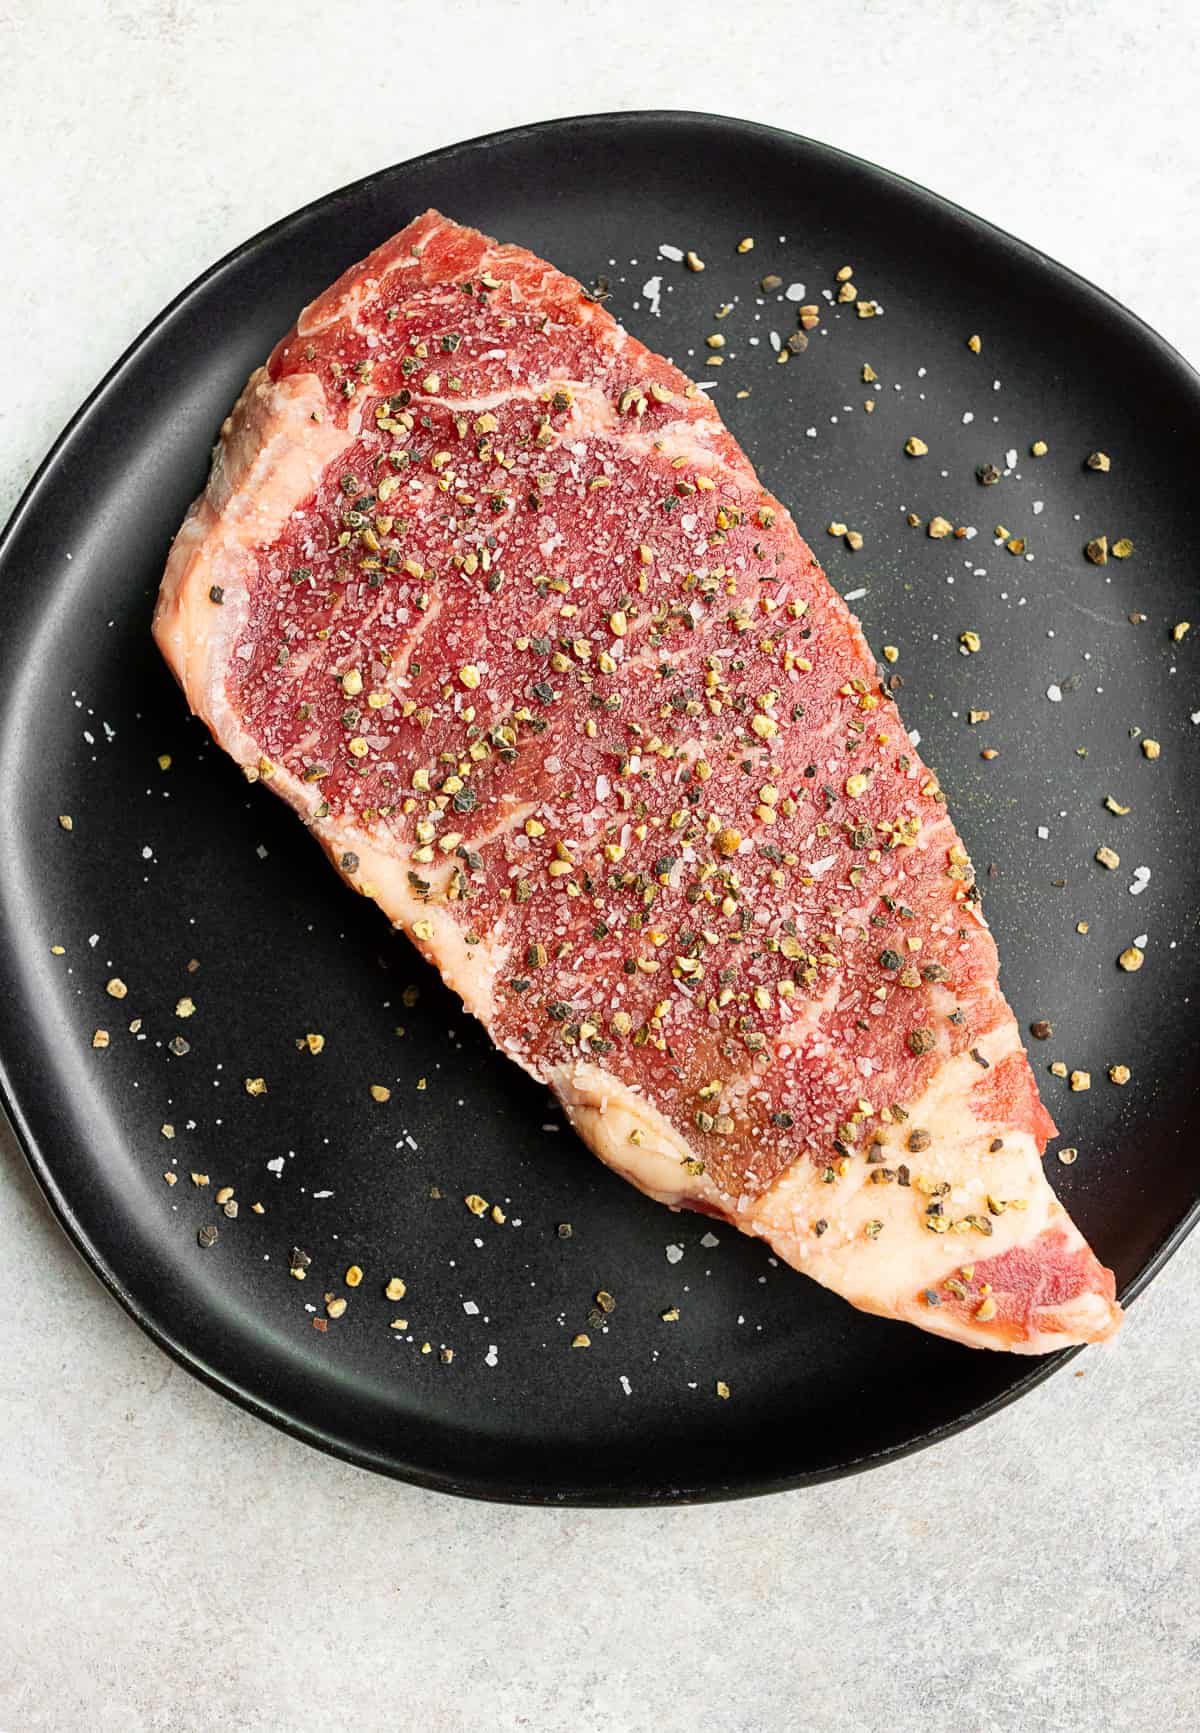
487	592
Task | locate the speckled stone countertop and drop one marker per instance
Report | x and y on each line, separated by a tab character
167	1563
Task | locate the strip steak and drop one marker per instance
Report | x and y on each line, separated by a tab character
487	592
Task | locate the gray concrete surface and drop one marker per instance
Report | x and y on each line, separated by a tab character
168	1565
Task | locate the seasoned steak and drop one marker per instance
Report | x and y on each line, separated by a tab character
485	590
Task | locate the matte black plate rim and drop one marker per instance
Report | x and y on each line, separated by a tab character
42	1165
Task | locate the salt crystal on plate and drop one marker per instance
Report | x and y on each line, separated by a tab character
674	1253
1141	878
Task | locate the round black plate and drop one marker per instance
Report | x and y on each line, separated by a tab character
166	866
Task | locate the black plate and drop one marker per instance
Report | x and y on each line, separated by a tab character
191	863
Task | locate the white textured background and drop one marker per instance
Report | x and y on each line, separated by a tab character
167	1563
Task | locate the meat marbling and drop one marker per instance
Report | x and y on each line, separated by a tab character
487	592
